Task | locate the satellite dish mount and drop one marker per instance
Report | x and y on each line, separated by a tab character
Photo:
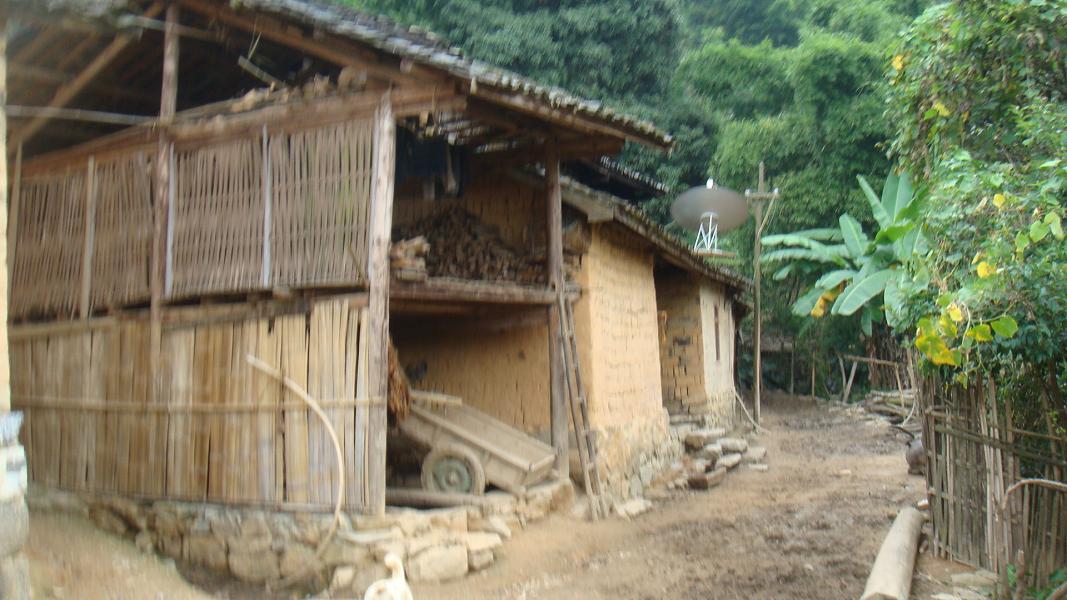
707	242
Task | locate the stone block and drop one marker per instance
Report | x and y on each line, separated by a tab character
108	521
729	461
363	580
145	542
711	452
696	440
298	561
339	553
127	510
706	481
738	445
255	527
453	519
341	581
205	550
762	468
371	537
481	560
632	508
477	542
254	562
755	454
494	524
439	563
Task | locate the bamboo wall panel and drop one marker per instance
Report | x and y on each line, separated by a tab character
320	189
215	429
975	452
272	208
122	241
218	219
47	268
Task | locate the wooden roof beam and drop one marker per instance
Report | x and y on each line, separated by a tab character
79	82
331	49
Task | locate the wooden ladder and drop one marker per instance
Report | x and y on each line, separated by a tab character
579	408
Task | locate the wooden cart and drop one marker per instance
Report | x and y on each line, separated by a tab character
469	448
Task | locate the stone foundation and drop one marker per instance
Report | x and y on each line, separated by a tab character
632	456
269	547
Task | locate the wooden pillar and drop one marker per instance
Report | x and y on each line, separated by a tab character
167	106
554	254
5	367
379	232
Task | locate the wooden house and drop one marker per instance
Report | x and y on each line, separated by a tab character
199	184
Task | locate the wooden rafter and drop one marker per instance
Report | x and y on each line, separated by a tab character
79	82
333	50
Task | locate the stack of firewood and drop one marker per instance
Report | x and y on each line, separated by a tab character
462	246
895	403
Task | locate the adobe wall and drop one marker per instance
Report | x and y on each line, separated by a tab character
503	373
697	346
718	341
617	334
681	342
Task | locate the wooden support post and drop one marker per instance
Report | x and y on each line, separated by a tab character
792	367
13	212
757	388
378	237
167	107
5	367
554	240
848	385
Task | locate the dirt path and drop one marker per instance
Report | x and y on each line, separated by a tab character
806	529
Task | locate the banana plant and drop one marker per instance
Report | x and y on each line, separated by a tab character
856	268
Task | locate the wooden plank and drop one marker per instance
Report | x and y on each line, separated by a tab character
294	364
437	289
359	472
75	85
353	457
266	391
554	251
378	239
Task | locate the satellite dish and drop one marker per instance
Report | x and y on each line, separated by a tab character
728	206
709	210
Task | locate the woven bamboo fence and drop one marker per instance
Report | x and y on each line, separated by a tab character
246	213
975	453
213	428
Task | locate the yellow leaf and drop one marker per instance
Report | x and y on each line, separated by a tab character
947	327
955	313
898	62
985	269
820	308
942	109
998	200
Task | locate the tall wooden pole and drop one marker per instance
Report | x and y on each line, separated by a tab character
554	254
759	197
380	227
5	368
168	100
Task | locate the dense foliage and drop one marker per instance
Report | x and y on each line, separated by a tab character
977	90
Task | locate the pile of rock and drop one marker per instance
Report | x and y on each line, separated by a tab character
710	455
259	546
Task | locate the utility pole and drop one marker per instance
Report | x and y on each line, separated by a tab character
758	197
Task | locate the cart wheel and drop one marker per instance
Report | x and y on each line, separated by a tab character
453	469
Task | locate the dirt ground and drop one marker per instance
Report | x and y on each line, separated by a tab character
806	529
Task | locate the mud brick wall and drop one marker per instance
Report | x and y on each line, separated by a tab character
615	323
696	345
682	373
717	325
501	373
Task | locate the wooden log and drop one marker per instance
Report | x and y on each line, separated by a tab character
378	236
427	499
554	266
891	574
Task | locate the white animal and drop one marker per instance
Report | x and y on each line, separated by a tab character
393	588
